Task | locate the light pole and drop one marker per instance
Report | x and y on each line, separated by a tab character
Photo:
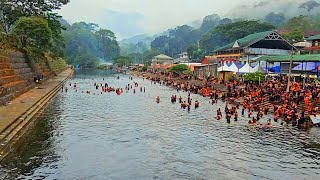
289	77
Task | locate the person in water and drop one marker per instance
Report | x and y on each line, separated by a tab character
219	114
196	104
236	116
228	117
158	99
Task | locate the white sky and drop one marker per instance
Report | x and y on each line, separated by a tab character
131	17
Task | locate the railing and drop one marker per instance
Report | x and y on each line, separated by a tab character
267	51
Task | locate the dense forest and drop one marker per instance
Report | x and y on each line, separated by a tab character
32	27
86	44
216	31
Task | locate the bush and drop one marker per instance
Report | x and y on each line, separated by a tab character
254	77
144	68
179	69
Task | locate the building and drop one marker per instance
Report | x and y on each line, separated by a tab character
183	58
162	59
315	44
301	63
253	46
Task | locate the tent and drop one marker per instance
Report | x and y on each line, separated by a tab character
246	69
258	68
233	68
275	69
304	66
228	67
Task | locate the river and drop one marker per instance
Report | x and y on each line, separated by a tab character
105	136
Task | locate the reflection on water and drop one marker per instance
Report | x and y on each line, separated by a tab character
87	136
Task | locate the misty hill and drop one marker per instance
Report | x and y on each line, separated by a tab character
136	39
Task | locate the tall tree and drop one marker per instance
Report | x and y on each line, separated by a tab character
295	35
107	44
58	42
13	9
33	34
148	55
227	33
161	43
210	22
301	22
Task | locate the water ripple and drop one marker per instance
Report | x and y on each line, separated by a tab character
105	136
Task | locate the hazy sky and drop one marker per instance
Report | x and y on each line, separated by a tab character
131	17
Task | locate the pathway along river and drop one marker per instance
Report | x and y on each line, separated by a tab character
82	136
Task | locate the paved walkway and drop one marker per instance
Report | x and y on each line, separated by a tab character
21	104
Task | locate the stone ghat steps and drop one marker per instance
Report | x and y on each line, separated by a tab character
13	89
4	66
10	135
19	65
7	79
6	72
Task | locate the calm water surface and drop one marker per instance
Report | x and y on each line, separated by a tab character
82	136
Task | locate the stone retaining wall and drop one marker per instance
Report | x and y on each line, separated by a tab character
17	73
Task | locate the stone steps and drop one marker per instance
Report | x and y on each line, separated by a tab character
4	66
6	72
11	134
7	79
19	65
12	89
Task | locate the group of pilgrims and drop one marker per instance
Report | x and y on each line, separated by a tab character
293	107
105	88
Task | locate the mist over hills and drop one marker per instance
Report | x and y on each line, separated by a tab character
274	12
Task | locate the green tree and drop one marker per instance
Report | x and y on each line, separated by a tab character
255	77
227	33
301	22
296	35
180	68
81	41
58	42
190	49
123	61
177	41
33	34
161	43
136	57
148	55
107	44
12	10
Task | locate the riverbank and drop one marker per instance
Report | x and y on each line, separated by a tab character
17	116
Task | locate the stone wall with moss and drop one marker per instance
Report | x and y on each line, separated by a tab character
18	70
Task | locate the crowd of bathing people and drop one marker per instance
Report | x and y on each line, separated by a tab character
105	87
295	107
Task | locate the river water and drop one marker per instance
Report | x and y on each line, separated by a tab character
94	136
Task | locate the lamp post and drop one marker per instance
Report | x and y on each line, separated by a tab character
290	68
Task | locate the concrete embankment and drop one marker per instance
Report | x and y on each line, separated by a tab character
20	114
